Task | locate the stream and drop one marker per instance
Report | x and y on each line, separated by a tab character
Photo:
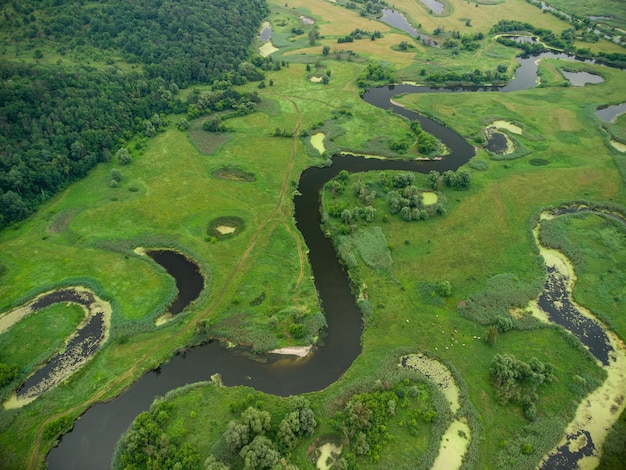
92	441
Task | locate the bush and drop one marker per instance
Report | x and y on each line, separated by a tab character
297	330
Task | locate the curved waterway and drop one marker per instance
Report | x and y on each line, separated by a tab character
95	434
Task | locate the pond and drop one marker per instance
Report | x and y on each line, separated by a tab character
91	443
434	5
611	113
266	33
582	78
497	142
398	20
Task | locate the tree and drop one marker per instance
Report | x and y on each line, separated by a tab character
211	463
259	454
116	175
346	216
463	179
444	289
312	36
7	373
433	180
258	421
183	124
449	178
149	131
123	157
325	50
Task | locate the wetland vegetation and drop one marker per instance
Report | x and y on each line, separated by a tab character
204	155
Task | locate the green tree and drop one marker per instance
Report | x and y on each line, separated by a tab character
211	463
183	124
123	156
116	175
259	454
7	373
463	179
449	178
433	180
326	50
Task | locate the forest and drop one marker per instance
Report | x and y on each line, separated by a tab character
59	120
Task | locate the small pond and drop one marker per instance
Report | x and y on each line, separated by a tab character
434	5
497	142
186	273
266	33
610	113
398	20
582	78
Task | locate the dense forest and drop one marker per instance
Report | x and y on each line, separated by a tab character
57	122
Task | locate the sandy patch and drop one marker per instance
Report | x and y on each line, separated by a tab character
454	444
618	146
14	402
328	452
430	198
226	229
315	79
317	141
300	351
508	126
602	407
438	373
163	319
140	250
267	49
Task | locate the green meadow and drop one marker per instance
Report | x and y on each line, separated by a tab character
181	184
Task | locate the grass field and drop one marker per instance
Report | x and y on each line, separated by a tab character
170	193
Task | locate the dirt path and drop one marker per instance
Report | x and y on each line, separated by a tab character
34	456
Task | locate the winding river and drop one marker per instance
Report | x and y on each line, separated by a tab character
93	439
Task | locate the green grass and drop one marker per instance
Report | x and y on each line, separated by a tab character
51	326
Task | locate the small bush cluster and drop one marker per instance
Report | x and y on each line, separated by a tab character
517	381
366	416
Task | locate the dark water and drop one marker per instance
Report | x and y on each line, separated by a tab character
186	273
555	301
85	342
496	143
91	443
